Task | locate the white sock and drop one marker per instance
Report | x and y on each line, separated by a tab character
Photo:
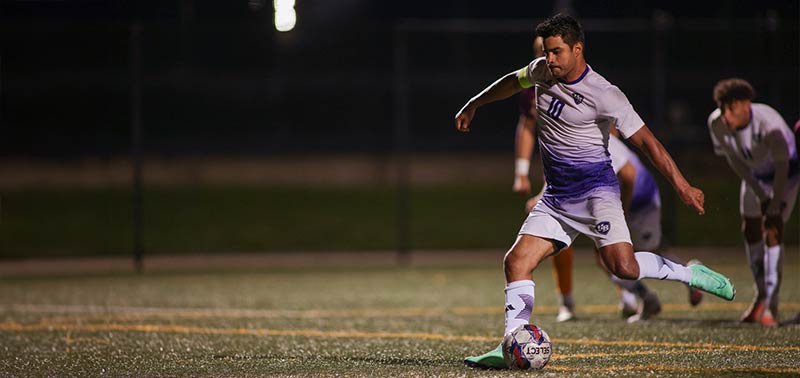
567	301
627	299
519	304
755	256
632	286
771	258
655	266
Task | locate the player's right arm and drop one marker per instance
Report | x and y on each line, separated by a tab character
505	87
501	89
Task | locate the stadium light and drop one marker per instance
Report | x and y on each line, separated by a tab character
285	16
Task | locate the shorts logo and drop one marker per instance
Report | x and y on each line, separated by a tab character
577	97
603	227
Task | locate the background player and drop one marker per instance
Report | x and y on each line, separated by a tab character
575	109
761	149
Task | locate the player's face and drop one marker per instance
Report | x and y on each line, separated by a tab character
561	59
736	114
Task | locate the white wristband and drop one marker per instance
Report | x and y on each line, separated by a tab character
521	167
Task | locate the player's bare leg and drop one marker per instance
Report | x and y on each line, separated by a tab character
520	261
562	272
623	263
773	269
753	233
629	291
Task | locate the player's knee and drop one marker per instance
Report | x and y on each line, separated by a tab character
627	270
772	236
752	230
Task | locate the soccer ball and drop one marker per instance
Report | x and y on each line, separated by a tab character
527	348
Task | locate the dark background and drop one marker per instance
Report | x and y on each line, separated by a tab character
218	79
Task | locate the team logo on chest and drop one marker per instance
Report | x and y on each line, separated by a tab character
577	97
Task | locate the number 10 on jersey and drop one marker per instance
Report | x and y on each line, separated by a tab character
556	106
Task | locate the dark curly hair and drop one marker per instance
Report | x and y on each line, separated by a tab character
729	90
565	26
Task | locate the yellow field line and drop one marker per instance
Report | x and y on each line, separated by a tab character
139	313
168	328
648	368
558	357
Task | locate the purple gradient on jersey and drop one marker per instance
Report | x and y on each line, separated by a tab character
574	180
768	177
644	188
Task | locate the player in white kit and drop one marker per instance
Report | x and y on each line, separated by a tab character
761	149
641	202
576	106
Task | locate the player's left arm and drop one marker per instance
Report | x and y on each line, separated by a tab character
661	159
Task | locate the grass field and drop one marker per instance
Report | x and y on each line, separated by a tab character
382	321
213	219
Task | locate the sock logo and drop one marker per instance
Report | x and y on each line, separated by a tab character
525	313
603	227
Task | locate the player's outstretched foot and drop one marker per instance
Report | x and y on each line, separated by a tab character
767	320
651	307
695	296
712	282
754	313
565	314
490	360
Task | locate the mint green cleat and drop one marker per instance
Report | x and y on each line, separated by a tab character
712	282
491	360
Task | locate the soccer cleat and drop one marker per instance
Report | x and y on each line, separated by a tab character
767	320
627	310
695	296
490	360
712	282
565	314
754	313
651	307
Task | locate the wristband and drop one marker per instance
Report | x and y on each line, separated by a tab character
521	167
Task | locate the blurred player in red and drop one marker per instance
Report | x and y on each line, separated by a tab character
761	149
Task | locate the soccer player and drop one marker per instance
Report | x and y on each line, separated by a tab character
761	149
525	138
641	203
576	106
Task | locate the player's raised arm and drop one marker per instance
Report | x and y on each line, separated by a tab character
661	159
503	88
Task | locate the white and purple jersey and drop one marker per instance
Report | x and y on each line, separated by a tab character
750	145
573	123
645	188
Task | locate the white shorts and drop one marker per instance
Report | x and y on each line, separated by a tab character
599	217
750	205
645	227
